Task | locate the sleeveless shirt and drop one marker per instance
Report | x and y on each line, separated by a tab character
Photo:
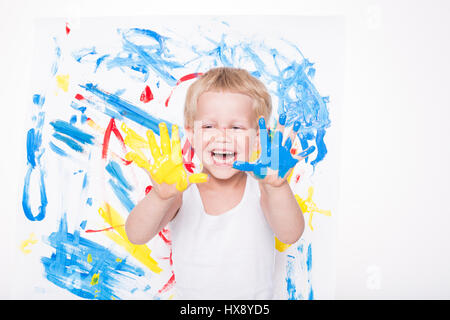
227	256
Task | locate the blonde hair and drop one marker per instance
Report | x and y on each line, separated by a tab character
228	79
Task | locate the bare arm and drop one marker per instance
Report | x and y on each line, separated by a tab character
150	215
282	212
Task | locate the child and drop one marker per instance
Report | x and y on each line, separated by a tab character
222	227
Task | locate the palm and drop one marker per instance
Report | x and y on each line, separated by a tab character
167	167
276	159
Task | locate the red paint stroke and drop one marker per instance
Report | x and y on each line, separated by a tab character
79	96
111	128
146	95
189	151
165	236
126	162
182	79
147	190
293	151
169	258
168	285
110	228
67	28
297	178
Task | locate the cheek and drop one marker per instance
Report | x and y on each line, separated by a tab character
202	140
245	143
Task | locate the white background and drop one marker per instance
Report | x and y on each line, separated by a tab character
393	240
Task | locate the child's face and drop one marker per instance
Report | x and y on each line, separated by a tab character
224	131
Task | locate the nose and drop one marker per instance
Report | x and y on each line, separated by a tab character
221	134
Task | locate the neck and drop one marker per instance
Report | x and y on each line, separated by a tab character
215	184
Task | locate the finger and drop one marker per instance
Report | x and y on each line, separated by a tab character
243	166
277	139
264	140
302	155
140	162
281	123
292	135
156	152
132	139
176	145
165	139
288	143
198	178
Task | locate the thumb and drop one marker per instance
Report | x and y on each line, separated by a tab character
198	178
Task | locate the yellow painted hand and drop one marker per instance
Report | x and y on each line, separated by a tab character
168	163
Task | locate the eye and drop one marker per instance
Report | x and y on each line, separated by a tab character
236	127
207	126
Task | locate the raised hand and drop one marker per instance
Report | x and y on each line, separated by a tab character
275	159
168	165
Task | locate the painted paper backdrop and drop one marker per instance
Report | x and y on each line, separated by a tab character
99	82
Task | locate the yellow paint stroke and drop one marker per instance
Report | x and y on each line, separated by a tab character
95	126
307	206
94	279
62	81
280	246
89	258
28	242
119	236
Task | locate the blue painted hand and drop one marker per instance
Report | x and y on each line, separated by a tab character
274	155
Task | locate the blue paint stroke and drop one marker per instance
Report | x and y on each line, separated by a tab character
38	100
309	258
68	267
26	206
34	141
99	61
116	172
55	65
128	110
69	142
82	53
290	281
72	131
34	154
122	195
57	149
85	181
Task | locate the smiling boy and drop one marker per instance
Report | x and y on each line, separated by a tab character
223	229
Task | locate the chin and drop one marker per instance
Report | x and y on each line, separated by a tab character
221	173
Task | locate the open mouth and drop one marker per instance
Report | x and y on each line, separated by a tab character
223	157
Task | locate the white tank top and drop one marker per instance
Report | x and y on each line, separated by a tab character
229	256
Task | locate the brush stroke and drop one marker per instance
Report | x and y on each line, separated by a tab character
126	109
70	268
141	252
114	169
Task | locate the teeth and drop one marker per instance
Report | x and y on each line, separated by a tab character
226	153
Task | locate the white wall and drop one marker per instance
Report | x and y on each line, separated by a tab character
394	219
